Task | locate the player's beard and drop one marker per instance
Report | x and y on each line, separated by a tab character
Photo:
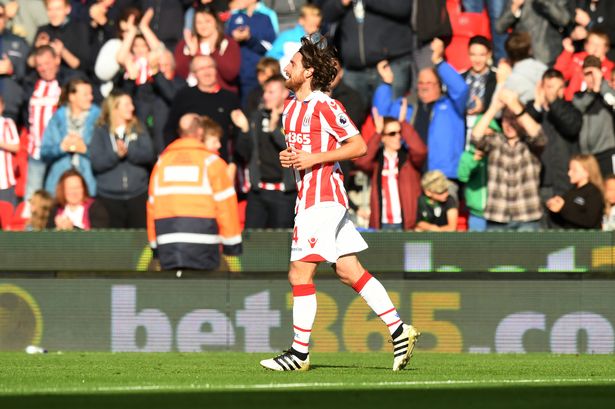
293	84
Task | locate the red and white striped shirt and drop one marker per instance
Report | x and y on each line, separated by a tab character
42	105
144	73
391	206
8	135
318	124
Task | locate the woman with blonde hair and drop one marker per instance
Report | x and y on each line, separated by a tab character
582	207
122	153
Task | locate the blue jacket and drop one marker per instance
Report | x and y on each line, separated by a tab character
60	161
262	36
446	138
291	36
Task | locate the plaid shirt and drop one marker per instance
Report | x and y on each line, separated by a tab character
514	178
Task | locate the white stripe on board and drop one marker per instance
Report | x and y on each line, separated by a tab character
303	385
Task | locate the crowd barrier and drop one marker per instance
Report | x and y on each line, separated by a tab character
268	252
467	292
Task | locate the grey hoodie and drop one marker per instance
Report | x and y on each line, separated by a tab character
524	77
597	133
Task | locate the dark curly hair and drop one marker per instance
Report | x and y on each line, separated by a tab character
321	57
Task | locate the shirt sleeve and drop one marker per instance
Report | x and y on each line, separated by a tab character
336	122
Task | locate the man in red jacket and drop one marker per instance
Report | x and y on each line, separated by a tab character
395	157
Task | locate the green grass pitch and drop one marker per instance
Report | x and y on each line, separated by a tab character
343	380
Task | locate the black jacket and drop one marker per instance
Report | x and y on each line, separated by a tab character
384	34
218	106
247	149
168	20
583	208
352	102
76	38
561	125
17	51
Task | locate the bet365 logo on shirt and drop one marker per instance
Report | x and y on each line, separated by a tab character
298	138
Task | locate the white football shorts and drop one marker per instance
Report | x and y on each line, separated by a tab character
324	232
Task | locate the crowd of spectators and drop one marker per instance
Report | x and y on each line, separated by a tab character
478	114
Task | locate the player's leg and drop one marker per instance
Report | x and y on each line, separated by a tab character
351	272
403	336
301	278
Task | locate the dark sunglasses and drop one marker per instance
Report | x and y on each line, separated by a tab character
393	133
316	39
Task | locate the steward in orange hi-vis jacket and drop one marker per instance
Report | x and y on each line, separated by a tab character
192	208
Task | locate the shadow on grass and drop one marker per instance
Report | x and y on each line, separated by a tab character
560	397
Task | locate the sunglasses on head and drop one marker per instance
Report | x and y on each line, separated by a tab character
315	39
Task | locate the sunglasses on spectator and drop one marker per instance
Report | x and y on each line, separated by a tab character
316	39
392	133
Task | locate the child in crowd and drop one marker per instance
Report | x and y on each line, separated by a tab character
33	215
570	64
212	136
472	171
437	209
608	221
582	207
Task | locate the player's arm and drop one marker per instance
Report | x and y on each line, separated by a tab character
351	148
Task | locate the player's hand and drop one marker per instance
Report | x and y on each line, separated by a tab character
286	158
303	160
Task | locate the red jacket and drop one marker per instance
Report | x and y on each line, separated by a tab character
227	59
571	66
411	160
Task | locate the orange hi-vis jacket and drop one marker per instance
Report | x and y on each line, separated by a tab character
192	208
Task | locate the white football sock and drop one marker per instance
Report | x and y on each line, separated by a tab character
304	313
376	296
